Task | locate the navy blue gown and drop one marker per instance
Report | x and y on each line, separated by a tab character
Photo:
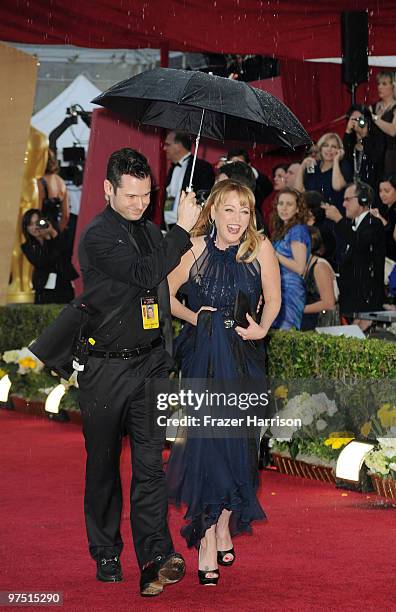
207	474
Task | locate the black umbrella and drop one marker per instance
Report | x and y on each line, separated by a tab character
204	104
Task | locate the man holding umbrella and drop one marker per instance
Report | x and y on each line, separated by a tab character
123	252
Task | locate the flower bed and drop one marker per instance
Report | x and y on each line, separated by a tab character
20	404
303	469
386	487
31	383
381	462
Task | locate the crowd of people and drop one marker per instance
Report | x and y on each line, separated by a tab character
331	217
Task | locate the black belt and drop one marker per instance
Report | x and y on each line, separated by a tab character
126	353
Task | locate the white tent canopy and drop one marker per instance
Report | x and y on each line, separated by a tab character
81	91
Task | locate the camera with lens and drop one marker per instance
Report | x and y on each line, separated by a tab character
361	121
42	223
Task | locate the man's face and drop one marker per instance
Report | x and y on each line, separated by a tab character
351	203
291	174
174	150
131	198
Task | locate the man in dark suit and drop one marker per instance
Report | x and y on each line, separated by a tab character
177	146
361	281
124	263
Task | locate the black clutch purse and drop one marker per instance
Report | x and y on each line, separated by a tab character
241	308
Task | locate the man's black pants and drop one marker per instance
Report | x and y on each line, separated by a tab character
112	400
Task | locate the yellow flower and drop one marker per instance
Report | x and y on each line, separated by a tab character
281	392
387	415
337	439
365	429
2	373
27	363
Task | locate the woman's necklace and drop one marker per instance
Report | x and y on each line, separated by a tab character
382	108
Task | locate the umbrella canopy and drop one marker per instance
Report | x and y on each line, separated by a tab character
176	99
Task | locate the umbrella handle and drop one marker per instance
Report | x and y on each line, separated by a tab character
189	188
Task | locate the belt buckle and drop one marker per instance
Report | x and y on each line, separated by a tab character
228	323
125	354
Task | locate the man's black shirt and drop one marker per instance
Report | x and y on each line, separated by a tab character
120	260
131	329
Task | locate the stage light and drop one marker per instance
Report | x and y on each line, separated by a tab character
53	400
350	461
5	386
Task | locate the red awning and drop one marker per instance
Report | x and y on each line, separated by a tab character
297	29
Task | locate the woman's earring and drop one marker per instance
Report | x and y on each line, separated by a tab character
212	227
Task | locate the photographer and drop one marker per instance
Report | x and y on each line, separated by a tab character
47	251
364	146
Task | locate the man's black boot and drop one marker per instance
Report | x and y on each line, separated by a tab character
109	569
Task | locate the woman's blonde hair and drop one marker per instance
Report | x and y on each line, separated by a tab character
386	74
279	227
323	140
252	238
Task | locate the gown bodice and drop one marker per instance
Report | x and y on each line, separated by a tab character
216	276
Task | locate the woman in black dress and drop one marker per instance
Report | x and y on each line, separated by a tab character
384	117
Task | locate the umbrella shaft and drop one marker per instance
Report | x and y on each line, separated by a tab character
189	188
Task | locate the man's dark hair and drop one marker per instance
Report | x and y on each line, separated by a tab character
241	172
364	193
126	161
313	199
184	139
239	153
282	166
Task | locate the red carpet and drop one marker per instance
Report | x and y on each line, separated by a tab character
320	549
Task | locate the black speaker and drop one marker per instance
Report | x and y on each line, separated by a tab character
354	39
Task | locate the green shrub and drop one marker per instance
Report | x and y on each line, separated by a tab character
22	323
293	354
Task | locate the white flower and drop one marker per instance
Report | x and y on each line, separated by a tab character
11	356
331	409
377	463
388	444
283	434
307	419
321	425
